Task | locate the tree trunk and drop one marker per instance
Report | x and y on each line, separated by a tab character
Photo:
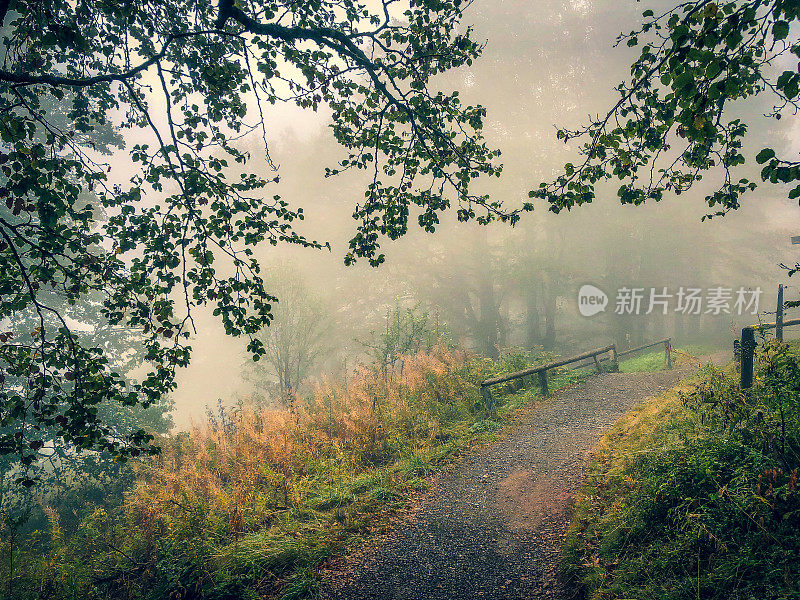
488	329
533	330
549	298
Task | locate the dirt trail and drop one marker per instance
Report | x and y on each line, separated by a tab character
493	524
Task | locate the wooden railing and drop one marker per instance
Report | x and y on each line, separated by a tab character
541	371
667	350
747	347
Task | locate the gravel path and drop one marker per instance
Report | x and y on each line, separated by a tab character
493	524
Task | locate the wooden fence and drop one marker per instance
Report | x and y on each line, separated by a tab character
667	350
747	347
541	371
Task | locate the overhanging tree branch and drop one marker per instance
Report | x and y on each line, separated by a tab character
157	235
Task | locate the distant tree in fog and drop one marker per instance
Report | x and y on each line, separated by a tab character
468	287
295	341
408	331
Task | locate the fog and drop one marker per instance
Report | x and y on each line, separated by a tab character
544	65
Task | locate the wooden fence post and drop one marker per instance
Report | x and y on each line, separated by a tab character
488	401
614	359
747	348
668	353
779	315
543	382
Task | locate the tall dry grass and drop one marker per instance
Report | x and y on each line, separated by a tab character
241	469
249	502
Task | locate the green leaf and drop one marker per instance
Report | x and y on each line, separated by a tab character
683	80
713	69
780	30
765	155
734	39
791	89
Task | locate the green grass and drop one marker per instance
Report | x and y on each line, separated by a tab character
694	494
649	361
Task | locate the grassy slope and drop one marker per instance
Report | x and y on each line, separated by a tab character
683	500
251	505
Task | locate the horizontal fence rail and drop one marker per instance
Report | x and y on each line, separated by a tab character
589	363
668	350
766	326
541	371
747	347
666	341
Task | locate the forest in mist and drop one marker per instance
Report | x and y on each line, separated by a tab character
500	286
272	271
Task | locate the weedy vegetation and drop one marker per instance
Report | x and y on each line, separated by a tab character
694	494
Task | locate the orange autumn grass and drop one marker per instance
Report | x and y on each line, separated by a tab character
232	475
251	502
